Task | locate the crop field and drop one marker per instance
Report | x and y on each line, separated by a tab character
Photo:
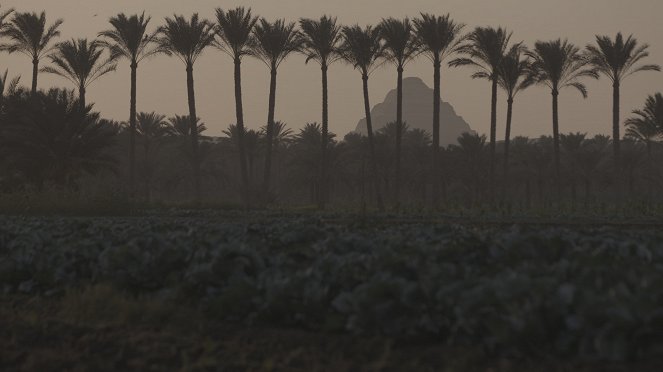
304	292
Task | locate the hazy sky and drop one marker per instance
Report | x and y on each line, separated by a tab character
162	80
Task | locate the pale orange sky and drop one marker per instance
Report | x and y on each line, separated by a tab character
162	79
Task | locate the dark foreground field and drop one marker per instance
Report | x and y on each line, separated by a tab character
268	292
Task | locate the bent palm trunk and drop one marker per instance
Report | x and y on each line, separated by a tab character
507	142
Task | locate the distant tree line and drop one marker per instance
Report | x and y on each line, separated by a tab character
54	137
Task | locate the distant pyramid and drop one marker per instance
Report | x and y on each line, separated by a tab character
417	112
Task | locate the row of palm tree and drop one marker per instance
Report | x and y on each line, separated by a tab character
556	64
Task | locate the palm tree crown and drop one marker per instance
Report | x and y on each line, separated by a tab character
234	28
185	39
29	35
152	125
648	119
129	38
559	64
484	50
362	48
400	45
619	59
275	41
438	36
80	62
3	16
320	39
514	71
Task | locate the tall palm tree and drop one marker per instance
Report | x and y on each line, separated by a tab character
29	35
559	64
7	86
400	47
80	62
234	28
150	126
274	42
438	37
128	38
363	49
513	77
320	40
618	60
187	39
485	49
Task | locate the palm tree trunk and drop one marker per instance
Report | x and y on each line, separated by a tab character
132	129
194	133
399	135
555	113
615	122
493	135
436	130
81	96
35	72
270	131
371	144
616	138
507	142
325	134
240	133
146	148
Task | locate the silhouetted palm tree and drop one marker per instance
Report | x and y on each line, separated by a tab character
50	137
558	64
80	62
362	48
7	86
128	38
29	35
438	38
400	47
180	125
235	28
646	125
150	127
320	39
512	76
618	60
485	49
274	43
187	40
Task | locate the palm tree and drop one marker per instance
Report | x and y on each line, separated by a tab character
485	49
7	87
646	125
438	38
128	38
320	39
150	126
362	48
618	60
558	64
3	17
400	47
235	28
512	76
80	62
180	125
274	43
29	35
187	40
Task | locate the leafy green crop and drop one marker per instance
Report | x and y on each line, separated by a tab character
593	293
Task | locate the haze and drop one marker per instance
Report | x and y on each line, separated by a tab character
162	85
